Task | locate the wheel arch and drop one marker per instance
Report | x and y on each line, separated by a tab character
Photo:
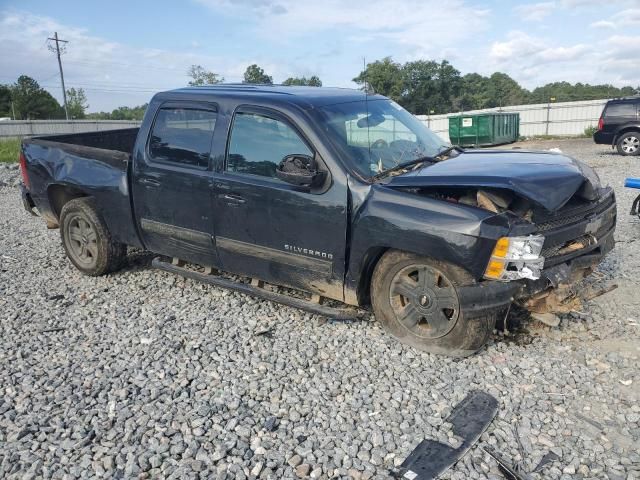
60	194
623	130
371	259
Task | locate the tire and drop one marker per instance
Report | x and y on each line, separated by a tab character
629	144
87	240
433	322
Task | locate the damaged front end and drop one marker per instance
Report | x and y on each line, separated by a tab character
557	234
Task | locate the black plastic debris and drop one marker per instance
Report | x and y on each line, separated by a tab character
53	330
469	419
264	332
549	457
510	472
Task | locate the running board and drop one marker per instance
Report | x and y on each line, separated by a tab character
255	289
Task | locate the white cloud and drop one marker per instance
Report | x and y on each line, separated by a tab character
423	25
518	45
535	11
629	17
525	49
603	24
111	73
536	61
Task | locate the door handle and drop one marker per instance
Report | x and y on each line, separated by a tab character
233	199
150	182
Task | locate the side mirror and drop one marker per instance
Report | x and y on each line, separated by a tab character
301	170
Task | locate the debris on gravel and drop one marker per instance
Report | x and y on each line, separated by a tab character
144	374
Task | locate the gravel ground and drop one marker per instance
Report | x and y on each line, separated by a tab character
143	374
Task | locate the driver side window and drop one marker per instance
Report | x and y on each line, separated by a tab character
258	144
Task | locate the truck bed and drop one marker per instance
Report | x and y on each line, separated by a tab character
121	140
94	164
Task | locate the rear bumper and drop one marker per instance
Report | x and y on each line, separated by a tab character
603	138
27	201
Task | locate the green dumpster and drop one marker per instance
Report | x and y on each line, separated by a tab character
484	129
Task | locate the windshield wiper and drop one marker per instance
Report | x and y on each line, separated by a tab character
433	159
403	166
447	150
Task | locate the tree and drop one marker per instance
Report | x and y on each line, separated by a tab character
255	74
76	103
121	113
312	81
474	92
565	92
384	77
32	102
429	86
127	113
200	76
5	101
504	90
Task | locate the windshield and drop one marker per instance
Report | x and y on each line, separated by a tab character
379	134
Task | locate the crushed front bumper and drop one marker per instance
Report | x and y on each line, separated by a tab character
487	297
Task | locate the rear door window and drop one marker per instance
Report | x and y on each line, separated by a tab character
182	136
621	110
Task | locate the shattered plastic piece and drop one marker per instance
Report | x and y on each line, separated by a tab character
525	248
602	291
572	247
507	470
501	199
548	458
469	419
547	318
485	202
626	383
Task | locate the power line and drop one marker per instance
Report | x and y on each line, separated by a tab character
57	51
96	63
103	86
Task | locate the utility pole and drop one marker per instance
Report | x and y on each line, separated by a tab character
57	51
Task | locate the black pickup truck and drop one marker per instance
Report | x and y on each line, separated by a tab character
334	193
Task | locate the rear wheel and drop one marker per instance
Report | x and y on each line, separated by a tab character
87	240
416	300
629	144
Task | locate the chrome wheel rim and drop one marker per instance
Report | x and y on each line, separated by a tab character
82	241
424	301
630	144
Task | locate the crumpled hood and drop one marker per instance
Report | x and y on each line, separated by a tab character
547	178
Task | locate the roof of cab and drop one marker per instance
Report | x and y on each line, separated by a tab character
306	97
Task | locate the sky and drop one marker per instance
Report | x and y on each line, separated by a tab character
121	52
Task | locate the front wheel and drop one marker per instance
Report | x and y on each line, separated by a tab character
416	300
87	240
629	144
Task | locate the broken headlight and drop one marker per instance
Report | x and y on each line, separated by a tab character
516	257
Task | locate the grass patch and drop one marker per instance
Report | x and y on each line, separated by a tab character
9	150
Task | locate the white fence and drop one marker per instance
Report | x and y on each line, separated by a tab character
24	128
562	119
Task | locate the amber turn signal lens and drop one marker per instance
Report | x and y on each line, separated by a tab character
501	248
494	269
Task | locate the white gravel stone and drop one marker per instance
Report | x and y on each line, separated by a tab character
156	376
